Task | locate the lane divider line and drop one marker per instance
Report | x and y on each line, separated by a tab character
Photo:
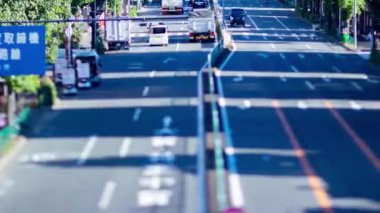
362	145
310	85
315	183
356	86
145	91
136	114
254	24
124	149
87	150
107	194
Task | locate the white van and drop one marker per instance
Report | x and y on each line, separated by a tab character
158	35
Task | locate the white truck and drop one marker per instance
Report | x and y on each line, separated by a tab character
118	34
174	6
201	25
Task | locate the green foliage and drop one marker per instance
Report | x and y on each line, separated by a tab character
348	7
24	84
133	11
115	6
47	93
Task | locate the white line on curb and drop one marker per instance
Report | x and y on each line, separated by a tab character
107	194
87	150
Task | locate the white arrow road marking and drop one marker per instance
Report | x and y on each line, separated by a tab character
147	198
309	85
355	105
156	170
107	194
124	149
162	156
302	105
87	150
136	114
164	141
356	86
145	91
156	182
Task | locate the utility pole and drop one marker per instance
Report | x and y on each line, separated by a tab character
355	25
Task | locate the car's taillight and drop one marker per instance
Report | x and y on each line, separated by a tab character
212	34
191	34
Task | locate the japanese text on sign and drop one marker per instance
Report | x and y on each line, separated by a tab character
22	50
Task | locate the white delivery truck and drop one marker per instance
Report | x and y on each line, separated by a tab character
175	6
118	34
201	25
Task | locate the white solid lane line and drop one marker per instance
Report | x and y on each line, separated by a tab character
145	91
107	194
136	114
254	24
308	46
279	21
356	86
236	194
125	147
87	150
309	85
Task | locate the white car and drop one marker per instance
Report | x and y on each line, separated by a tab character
158	35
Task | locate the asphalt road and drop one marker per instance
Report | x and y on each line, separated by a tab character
303	116
128	146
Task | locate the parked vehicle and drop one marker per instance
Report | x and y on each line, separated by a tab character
201	25
158	35
237	17
172	6
89	67
117	34
69	82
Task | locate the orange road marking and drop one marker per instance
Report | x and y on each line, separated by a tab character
354	136
314	181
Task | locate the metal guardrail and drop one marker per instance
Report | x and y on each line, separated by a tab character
201	154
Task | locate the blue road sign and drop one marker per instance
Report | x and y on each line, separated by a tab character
22	50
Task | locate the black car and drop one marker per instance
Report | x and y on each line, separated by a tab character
237	17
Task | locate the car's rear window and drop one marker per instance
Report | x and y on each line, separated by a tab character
237	12
159	30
